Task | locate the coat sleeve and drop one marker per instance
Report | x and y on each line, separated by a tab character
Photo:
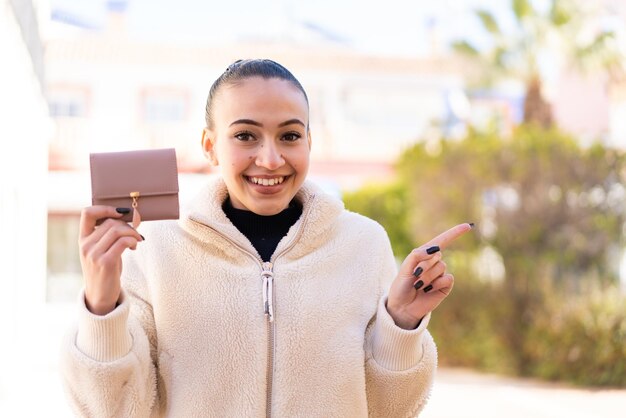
399	367
108	362
399	364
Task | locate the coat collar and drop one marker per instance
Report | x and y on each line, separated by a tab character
320	211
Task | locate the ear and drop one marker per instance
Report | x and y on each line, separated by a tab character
308	137
208	146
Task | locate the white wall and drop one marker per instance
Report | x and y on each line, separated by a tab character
25	131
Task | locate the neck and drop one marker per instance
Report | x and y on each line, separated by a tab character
264	232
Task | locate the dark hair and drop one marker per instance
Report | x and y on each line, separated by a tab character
243	69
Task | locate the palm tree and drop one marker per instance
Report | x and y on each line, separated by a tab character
565	33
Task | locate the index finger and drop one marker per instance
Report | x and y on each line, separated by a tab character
446	238
90	216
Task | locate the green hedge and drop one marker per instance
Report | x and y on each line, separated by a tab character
554	212
580	340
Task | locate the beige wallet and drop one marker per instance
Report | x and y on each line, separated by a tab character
146	181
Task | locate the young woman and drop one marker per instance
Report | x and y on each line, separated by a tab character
267	298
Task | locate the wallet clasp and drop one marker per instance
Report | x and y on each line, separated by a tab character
135	204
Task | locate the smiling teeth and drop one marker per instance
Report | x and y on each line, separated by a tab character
267	182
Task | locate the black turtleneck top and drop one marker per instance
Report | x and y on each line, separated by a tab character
264	232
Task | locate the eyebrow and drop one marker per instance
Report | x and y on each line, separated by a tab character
255	123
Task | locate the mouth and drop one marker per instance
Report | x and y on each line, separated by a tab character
266	181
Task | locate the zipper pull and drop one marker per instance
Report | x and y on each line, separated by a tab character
268	291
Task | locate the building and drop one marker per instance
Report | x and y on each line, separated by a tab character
110	92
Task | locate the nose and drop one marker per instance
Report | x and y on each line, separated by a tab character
269	156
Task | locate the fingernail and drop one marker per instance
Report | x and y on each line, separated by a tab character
418	272
471	224
432	250
142	237
123	211
418	284
428	288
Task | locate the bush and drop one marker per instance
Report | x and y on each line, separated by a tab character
387	204
553	212
581	340
574	339
465	325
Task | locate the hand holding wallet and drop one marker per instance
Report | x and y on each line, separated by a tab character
146	181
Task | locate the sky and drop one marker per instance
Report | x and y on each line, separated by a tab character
396	27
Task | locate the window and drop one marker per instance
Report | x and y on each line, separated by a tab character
164	105
68	101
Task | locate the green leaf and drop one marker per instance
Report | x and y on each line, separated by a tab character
500	57
522	9
598	53
465	48
598	45
560	14
488	21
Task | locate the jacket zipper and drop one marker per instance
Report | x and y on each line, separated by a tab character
268	305
267	275
268	280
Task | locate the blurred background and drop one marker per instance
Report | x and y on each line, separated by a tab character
510	114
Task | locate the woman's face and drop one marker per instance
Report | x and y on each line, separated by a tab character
261	141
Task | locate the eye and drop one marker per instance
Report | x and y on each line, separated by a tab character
244	136
291	136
